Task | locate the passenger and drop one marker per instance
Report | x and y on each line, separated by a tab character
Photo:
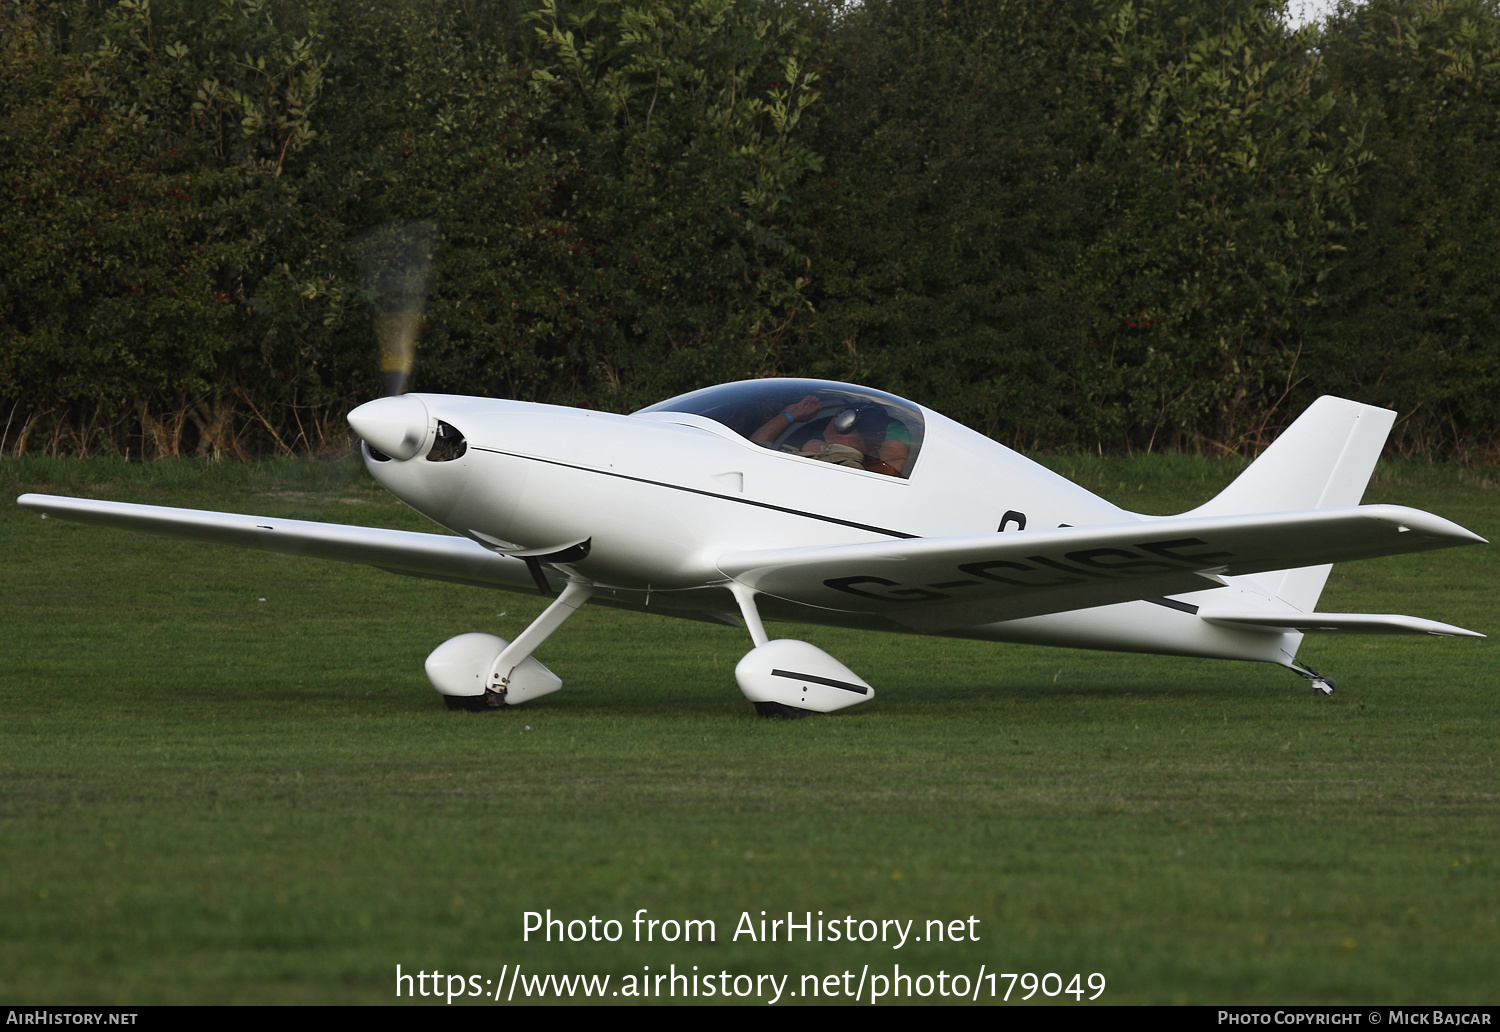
895	450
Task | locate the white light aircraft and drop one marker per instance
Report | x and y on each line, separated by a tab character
828	503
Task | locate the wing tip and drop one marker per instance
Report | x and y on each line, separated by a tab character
38	502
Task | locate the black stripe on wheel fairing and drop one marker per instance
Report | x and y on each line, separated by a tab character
830	682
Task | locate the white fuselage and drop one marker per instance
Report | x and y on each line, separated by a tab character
658	497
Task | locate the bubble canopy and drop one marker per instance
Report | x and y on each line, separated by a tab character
838	423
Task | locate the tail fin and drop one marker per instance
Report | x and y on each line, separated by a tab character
1322	461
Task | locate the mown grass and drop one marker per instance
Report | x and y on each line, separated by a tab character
225	778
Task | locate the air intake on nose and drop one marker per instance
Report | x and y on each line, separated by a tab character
450	444
375	453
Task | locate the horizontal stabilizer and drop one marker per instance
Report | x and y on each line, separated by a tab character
1346	623
438	556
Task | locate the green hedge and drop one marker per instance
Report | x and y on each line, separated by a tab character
1080	224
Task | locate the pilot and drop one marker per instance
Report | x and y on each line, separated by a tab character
858	436
884	443
851	438
796	412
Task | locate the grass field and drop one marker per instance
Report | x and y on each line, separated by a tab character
224	779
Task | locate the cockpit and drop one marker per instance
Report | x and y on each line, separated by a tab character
837	423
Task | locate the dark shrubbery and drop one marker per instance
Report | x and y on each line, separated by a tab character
1085	223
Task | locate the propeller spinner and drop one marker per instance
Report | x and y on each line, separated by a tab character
396	426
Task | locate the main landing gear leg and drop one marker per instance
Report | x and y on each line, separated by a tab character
506	678
1321	685
746	599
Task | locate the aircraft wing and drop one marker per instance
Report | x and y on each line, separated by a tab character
437	556
932	584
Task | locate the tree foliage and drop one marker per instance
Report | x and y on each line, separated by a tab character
1415	315
137	278
1098	223
678	124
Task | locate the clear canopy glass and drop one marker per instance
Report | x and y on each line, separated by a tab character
838	423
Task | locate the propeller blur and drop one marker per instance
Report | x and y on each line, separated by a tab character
830	503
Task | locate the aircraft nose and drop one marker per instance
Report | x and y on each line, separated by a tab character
397	426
